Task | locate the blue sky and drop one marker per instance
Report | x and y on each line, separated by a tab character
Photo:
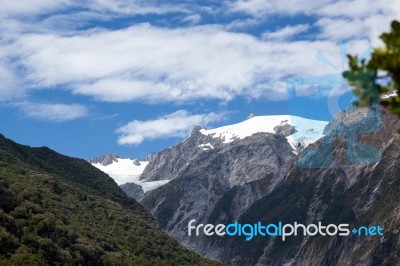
132	77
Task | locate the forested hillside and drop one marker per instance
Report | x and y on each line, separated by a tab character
58	210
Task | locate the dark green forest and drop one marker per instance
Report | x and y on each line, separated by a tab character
56	210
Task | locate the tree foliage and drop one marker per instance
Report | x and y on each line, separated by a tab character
56	210
380	74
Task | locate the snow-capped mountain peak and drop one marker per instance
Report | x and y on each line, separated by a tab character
298	131
302	131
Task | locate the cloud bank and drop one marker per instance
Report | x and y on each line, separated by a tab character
52	112
177	124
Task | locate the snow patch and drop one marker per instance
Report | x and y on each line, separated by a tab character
307	131
125	171
206	146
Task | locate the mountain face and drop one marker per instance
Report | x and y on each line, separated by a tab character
133	190
57	210
222	169
214	181
347	190
350	175
159	168
104	160
167	164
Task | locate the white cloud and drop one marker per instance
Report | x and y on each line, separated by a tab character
324	8
156	64
336	19
10	8
7	85
53	112
286	32
177	124
370	28
337	29
67	17
192	19
261	8
242	24
356	19
355	8
153	64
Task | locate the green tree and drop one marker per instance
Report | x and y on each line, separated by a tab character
380	74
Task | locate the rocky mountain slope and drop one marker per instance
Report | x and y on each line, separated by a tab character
242	171
348	190
159	168
167	164
225	168
350	175
57	210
